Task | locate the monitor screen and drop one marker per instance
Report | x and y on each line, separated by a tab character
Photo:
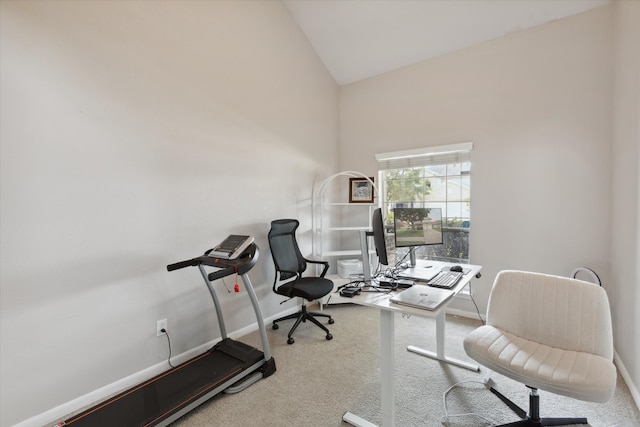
378	236
417	226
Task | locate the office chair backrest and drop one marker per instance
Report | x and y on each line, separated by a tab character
284	248
556	311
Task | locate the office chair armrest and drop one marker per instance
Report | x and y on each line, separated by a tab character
325	263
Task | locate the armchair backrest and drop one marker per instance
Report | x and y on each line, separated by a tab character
556	311
286	254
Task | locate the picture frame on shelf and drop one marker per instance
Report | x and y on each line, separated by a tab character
361	190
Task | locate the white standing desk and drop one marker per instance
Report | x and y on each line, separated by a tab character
387	338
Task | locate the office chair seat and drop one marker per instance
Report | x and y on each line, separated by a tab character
550	333
580	375
309	288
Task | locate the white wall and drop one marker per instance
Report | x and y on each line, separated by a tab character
536	105
137	134
625	250
555	158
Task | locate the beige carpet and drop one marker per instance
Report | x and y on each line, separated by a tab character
318	380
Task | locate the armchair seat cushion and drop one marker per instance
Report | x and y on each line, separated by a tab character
309	288
570	373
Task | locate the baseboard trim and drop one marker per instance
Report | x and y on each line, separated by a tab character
64	411
633	389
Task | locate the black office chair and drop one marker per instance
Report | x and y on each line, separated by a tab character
290	264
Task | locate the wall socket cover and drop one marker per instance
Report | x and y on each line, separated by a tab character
161	324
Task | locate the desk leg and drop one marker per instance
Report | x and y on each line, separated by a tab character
387	341
387	386
439	354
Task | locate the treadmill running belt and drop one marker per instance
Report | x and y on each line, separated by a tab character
163	395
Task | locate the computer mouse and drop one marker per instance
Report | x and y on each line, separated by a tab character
456	268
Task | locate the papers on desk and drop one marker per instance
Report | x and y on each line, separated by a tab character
421	296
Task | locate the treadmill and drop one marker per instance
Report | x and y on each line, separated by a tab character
229	366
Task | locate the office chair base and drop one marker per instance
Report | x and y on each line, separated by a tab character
533	419
302	316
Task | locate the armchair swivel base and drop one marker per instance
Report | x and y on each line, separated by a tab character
533	418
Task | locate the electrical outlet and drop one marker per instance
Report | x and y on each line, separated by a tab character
160	325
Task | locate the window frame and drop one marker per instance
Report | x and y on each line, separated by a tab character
431	157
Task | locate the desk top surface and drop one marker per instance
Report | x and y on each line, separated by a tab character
381	300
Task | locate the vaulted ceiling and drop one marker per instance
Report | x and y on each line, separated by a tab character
357	39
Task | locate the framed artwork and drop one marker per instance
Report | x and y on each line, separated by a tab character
360	190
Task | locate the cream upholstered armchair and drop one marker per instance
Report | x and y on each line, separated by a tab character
550	333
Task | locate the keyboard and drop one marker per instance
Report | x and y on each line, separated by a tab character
445	279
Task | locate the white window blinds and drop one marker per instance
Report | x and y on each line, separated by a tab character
439	155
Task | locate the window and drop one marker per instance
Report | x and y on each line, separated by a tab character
436	177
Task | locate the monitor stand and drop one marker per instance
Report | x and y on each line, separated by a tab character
366	264
364	248
412	256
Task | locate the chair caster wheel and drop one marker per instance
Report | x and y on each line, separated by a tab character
275	326
329	337
331	321
290	341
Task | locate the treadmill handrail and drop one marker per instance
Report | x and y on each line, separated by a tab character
182	264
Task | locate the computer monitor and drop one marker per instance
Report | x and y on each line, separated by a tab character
417	227
378	236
